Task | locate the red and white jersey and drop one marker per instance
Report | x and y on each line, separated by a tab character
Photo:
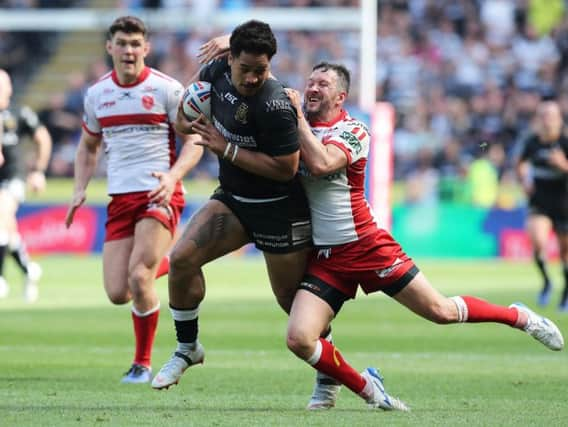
136	123
340	212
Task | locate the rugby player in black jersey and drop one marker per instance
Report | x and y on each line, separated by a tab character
15	124
253	131
542	168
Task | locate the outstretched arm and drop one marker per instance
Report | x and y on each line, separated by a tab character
85	164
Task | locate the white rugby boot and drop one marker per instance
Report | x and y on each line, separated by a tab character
541	328
137	374
31	290
174	368
379	398
4	288
325	392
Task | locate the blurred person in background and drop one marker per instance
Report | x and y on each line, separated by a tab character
15	124
542	169
132	110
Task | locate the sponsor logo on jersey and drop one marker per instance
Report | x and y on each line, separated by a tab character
149	89
352	140
125	95
243	141
229	97
241	115
106	104
385	272
148	102
277	105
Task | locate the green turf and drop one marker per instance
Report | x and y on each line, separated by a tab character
61	359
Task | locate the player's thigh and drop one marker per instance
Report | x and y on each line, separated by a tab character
8	208
538	228
563	245
212	232
286	270
423	299
116	258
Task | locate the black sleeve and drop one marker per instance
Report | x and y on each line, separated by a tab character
213	69
521	150
28	121
278	122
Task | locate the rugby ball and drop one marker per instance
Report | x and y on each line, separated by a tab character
196	100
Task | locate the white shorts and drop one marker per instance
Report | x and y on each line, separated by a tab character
16	187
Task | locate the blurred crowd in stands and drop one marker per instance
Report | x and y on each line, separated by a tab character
465	77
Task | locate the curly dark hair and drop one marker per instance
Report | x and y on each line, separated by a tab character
128	25
253	37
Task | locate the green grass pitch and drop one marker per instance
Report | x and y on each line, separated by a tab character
61	359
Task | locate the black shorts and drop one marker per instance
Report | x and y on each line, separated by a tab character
279	226
555	208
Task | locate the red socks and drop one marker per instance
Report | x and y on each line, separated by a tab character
145	326
164	267
328	359
478	310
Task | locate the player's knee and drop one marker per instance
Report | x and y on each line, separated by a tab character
118	296
300	344
138	277
442	313
182	261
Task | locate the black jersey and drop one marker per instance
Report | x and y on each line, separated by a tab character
266	122
548	180
24	122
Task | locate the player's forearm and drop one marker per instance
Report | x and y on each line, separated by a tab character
85	166
188	158
280	168
44	143
313	152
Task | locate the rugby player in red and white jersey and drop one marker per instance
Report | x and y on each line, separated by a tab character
132	110
352	250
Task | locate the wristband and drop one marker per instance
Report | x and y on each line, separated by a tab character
235	154
227	148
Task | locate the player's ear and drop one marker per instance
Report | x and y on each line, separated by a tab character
109	47
147	47
230	59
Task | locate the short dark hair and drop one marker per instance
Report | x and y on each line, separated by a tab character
253	37
128	25
343	74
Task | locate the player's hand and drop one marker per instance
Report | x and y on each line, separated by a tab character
78	199
1	157
557	159
36	181
214	49
295	99
162	194
183	126
211	138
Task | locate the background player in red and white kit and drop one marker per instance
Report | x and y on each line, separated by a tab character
352	250
132	109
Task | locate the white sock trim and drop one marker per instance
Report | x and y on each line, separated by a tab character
314	358
461	306
147	313
184	315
